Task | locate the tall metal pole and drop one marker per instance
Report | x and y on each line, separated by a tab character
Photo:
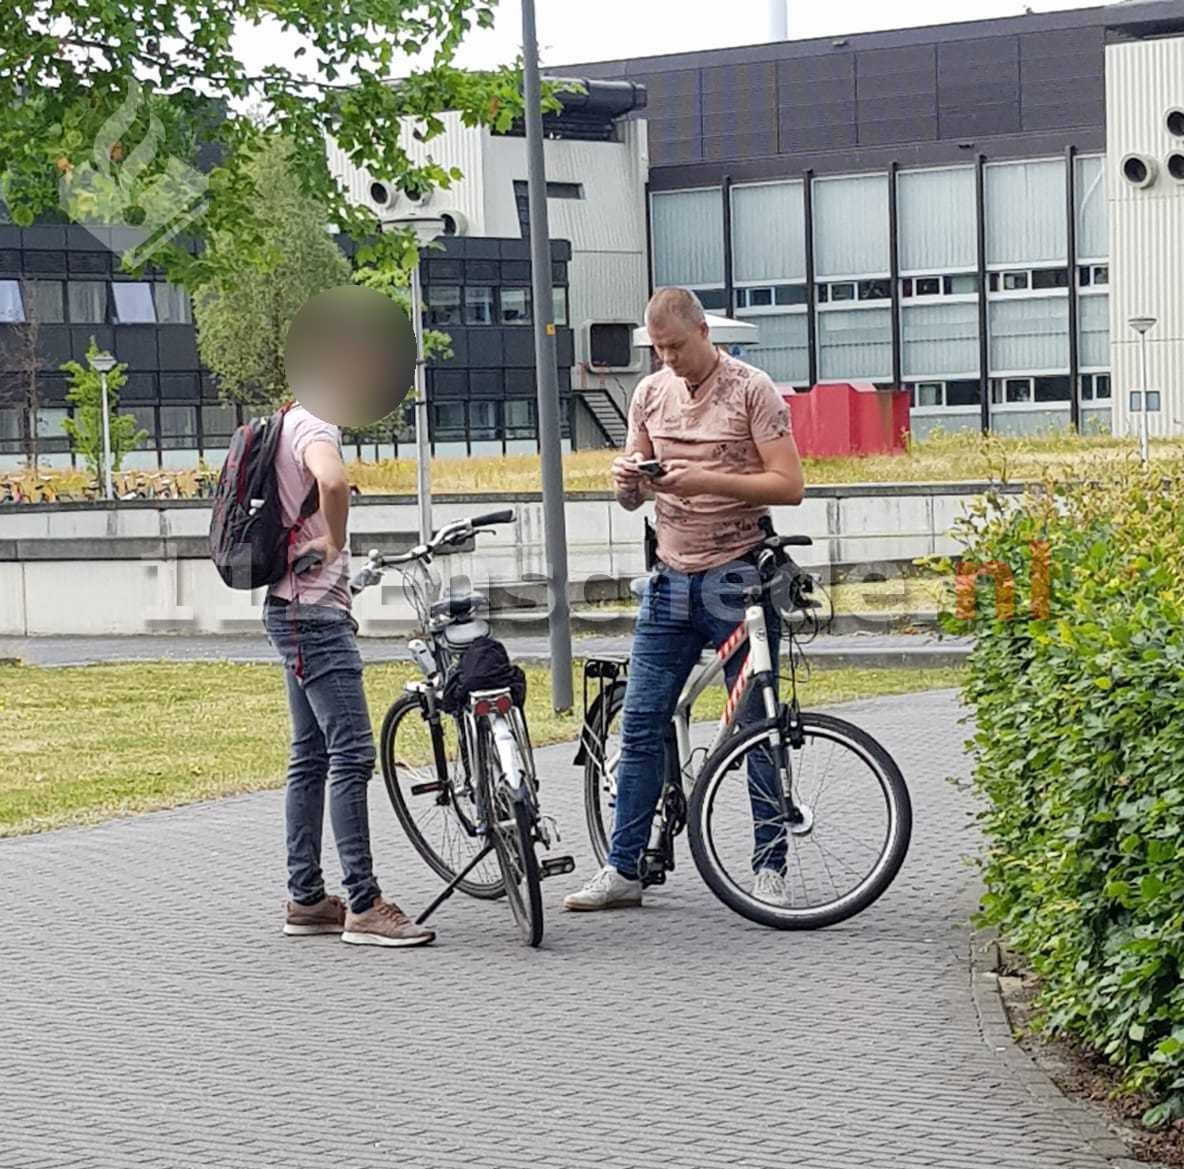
550	447
108	486
1144	442
423	446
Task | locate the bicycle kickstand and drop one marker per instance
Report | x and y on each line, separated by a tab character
451	887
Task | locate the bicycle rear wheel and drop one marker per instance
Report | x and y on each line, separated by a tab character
513	845
435	802
602	739
833	856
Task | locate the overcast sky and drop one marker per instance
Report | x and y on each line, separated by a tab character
602	30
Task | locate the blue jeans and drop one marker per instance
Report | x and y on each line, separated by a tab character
680	615
331	740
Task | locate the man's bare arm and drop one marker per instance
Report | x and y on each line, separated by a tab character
632	488
781	481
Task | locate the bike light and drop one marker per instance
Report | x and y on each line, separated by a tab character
503	703
483	708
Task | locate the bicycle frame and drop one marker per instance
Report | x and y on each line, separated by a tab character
750	637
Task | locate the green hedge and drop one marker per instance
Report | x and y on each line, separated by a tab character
1079	755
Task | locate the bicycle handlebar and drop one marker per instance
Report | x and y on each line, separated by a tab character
494	517
454	533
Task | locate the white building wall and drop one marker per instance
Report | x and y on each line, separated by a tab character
458	146
1144	80
606	227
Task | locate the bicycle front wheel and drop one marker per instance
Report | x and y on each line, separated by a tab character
431	788
800	836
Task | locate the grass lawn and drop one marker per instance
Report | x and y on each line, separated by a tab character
86	744
939	458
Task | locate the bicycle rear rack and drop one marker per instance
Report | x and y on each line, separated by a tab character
600	676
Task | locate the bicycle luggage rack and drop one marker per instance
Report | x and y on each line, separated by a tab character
605	672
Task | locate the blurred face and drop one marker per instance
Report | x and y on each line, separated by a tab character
685	349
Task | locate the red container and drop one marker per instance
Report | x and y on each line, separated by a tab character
849	418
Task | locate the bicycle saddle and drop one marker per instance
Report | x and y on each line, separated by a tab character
466	632
458	607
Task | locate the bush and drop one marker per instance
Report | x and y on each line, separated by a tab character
1079	753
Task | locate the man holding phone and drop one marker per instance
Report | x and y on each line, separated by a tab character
709	441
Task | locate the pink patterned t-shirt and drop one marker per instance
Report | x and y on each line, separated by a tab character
718	428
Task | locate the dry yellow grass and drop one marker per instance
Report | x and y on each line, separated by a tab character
942	458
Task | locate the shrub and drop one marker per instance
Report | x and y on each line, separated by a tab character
1079	754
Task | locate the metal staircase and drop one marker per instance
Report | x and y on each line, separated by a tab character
610	418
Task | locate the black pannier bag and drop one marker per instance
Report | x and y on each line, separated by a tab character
484	664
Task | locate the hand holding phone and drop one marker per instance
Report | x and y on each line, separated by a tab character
651	468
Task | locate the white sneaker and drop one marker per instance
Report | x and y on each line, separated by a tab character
769	886
607	890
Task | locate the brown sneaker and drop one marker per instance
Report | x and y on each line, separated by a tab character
384	924
327	916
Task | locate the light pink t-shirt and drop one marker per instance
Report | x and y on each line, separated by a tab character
718	428
328	585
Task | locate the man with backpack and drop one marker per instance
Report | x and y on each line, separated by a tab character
307	618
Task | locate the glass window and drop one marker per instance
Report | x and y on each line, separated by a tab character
769	232
49	422
929	286
172	305
559	304
43	301
754	297
520	418
1083	276
133	303
218	422
448	422
12	309
1025	212
88	301
712	299
842	292
178	426
1101	386
1029	333
1052	389
1050	278
928	394
688	237
1018	389
11	441
443	305
855	344
791	294
963	393
1015	281
1102	274
939	337
851	226
875	290
515	306
145	417
906	287
478	306
961	285
483	421
783	349
937	219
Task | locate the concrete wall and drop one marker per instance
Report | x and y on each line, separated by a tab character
83	569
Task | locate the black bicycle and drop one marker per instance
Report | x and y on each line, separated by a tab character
796	820
462	781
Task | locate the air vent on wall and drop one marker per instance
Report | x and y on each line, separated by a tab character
1139	170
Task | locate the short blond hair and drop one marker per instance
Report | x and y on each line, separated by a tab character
676	304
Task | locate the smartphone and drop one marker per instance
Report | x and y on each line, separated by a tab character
651	468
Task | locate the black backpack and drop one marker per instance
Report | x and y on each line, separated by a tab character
484	665
248	538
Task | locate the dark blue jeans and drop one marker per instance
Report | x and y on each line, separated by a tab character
331	740
680	615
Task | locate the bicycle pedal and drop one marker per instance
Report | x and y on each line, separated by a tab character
556	866
425	789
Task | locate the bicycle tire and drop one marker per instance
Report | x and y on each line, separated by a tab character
595	801
445	867
900	820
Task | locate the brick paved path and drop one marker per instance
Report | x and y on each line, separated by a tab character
154	1015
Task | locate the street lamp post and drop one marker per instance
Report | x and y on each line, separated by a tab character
105	363
546	370
425	229
1142	326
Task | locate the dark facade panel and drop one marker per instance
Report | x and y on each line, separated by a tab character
10	236
44	263
514	249
448	383
52	388
517	348
177	346
183	386
971	120
80	239
458	340
752	144
736	120
485	348
139	387
53	346
80	336
565	346
89	263
486	383
47	237
136	345
10	262
680	90
516	272
876	129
